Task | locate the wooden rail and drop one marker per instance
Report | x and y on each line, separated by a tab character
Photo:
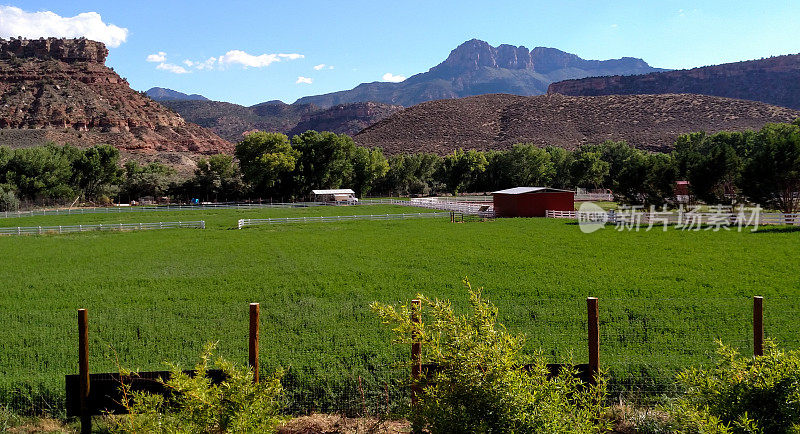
64	229
324	219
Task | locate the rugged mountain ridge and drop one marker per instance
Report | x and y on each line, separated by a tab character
775	80
231	121
475	67
60	90
497	121
163	94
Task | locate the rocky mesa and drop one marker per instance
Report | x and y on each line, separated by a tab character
775	80
60	90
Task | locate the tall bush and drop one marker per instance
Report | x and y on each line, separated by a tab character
484	383
196	405
742	394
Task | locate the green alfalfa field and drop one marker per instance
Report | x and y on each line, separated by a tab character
158	296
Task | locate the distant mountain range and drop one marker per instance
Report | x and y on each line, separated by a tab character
162	94
473	68
231	121
775	80
476	68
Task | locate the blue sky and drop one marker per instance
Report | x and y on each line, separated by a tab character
264	50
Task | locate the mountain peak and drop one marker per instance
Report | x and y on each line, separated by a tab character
475	53
476	67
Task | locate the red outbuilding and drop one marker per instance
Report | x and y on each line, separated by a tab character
531	201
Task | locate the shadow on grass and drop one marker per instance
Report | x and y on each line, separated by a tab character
777	230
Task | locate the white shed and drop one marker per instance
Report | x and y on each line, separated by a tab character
342	195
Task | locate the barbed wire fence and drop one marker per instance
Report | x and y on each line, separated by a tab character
342	365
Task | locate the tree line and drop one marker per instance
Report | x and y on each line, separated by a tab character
728	167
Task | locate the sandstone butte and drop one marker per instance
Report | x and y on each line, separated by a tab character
59	90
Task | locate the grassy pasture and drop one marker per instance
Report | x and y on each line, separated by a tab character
156	296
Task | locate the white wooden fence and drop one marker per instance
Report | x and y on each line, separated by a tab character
607	197
64	229
128	209
320	219
483	210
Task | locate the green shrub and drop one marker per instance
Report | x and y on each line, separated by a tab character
742	394
8	200
482	384
196	405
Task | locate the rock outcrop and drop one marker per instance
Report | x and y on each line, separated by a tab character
775	80
60	90
345	118
498	121
64	50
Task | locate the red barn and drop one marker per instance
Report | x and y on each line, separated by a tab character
531	201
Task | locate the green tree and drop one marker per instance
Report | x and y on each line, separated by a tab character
659	185
460	170
711	163
629	179
264	159
412	173
215	177
771	177
97	170
153	179
369	166
496	175
588	170
43	173
529	165
5	156
324	161
562	166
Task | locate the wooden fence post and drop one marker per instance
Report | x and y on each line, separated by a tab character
594	338
416	354
83	370
253	349
758	326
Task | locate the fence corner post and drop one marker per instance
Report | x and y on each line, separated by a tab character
758	326
83	370
594	338
253	347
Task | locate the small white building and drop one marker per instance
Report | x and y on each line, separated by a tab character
338	196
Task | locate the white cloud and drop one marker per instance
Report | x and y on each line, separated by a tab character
614	26
175	69
207	64
16	22
157	58
303	80
322	66
249	60
393	78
